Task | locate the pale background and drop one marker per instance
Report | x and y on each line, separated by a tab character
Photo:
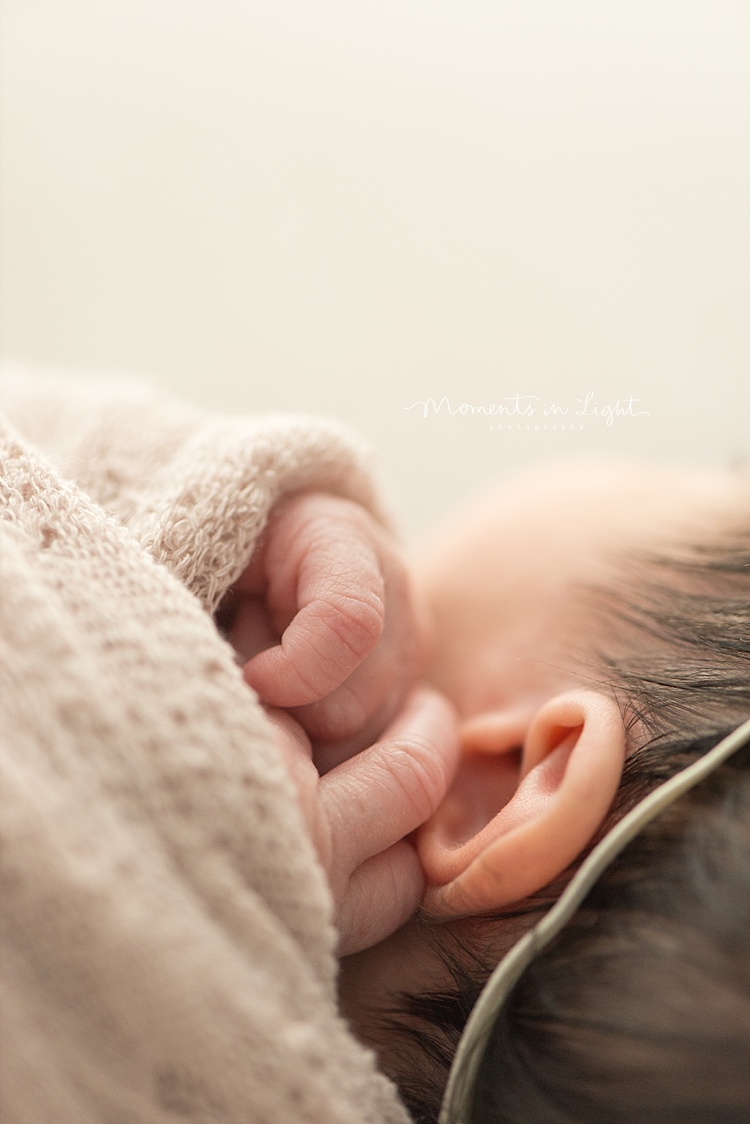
344	207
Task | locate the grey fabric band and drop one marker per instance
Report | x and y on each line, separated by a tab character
456	1104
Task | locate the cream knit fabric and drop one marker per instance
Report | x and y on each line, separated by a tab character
166	948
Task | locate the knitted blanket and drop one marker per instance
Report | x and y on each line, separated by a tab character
166	949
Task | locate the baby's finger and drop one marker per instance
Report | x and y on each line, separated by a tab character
325	642
391	670
353	716
375	799
327	593
381	895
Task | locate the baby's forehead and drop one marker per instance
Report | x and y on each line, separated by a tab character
524	585
563	521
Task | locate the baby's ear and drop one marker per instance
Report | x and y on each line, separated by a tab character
530	793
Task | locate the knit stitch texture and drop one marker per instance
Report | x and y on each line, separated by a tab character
166	949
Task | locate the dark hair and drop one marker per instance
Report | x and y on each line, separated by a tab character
639	1011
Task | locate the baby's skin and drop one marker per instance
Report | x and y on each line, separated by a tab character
404	805
328	623
542	738
331	635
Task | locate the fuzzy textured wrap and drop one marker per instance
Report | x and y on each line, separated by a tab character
166	949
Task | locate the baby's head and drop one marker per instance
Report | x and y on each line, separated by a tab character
588	621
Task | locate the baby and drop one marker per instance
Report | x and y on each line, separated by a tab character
554	639
593	632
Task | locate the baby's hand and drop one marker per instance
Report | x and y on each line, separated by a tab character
360	813
328	624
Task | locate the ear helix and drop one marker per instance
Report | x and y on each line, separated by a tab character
543	816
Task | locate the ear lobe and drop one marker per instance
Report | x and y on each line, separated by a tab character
515	818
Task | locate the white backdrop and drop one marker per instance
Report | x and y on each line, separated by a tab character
349	207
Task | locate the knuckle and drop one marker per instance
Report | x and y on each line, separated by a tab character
359	618
419	772
354	620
